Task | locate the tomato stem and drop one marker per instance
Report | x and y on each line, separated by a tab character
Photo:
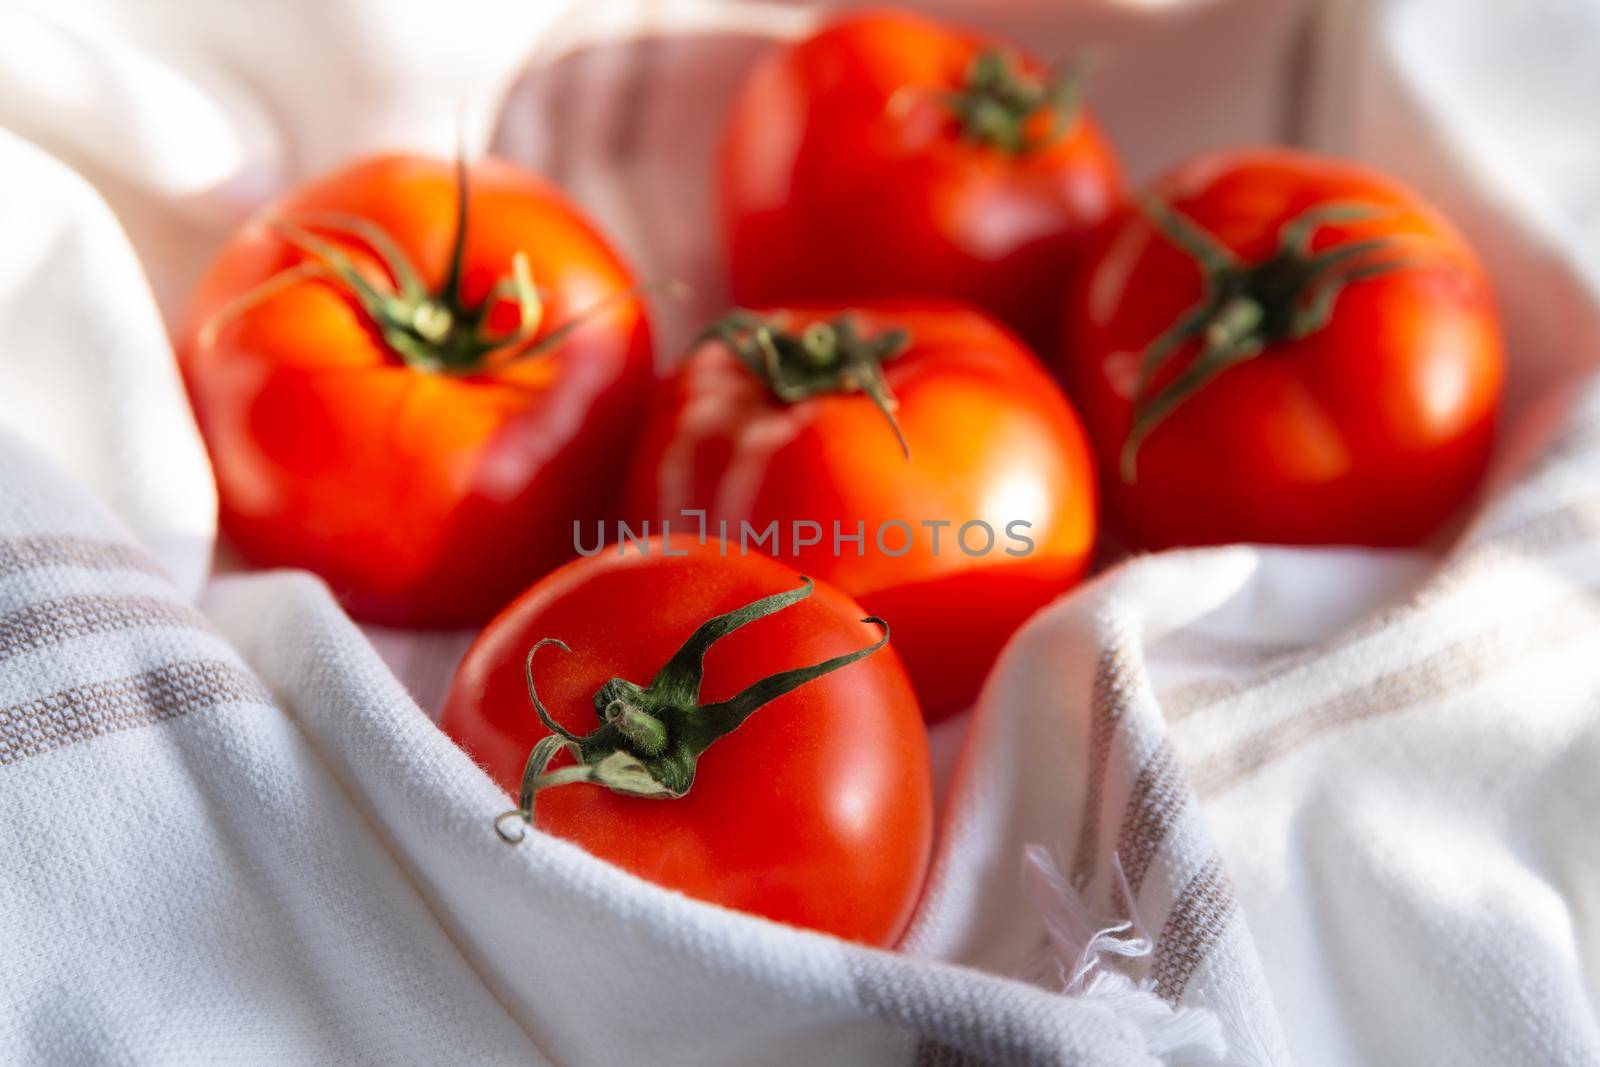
998	101
1247	307
825	357
450	293
649	738
431	331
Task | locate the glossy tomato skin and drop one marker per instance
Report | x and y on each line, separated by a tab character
817	811
422	498
1372	431
844	177
991	438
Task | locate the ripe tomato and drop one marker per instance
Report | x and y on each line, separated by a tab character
756	441
891	156
1284	348
422	442
816	809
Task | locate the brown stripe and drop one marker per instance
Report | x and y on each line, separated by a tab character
1551	531
962	1018
1107	705
1197	920
1193	646
1572	523
631	115
1158	799
54	621
19	554
934	1054
88	711
1450	670
1184	700
1205	907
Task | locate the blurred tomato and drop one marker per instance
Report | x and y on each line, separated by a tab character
891	156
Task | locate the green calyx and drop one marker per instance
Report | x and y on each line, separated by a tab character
1247	307
825	357
435	331
997	103
649	738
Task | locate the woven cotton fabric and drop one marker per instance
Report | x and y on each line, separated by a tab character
1339	802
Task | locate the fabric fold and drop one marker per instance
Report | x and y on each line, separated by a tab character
1345	794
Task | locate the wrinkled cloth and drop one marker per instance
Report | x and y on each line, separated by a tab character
1345	797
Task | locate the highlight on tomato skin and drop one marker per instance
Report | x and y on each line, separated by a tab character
889	156
978	433
817	811
417	428
1282	347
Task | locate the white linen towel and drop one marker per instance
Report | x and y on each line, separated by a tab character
1350	793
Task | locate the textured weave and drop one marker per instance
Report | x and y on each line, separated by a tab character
1351	793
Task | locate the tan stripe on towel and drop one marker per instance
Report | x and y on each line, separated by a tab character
54	621
1107	704
1158	798
84	712
19	554
1541	534
1214	650
1197	920
1451	670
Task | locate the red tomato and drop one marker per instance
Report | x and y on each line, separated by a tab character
891	156
816	811
419	449
991	439
1336	385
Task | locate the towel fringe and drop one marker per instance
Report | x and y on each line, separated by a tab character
1080	959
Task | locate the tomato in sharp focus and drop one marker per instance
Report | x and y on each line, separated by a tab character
422	443
890	156
810	436
1284	348
817	810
